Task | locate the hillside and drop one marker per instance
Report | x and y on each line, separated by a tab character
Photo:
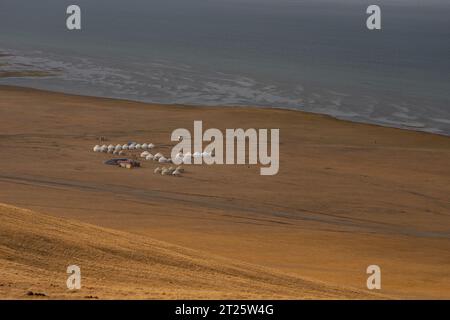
35	250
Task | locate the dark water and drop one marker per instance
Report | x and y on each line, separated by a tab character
311	55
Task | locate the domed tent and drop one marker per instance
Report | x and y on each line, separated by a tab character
157	156
162	160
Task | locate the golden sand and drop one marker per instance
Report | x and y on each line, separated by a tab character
347	196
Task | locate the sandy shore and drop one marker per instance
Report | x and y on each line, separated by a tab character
347	195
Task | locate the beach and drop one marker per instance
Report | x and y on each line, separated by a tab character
347	196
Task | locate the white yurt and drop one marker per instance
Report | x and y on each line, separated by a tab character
97	148
158	155
144	146
149	157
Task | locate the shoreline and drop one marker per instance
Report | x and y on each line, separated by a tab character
244	107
